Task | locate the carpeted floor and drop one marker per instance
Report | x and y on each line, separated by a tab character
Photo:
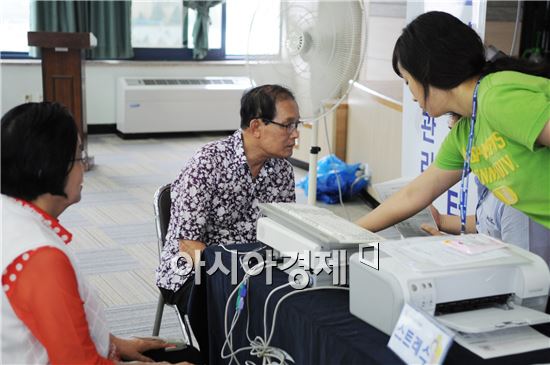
114	230
113	227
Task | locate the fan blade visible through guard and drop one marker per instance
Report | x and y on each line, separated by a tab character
321	50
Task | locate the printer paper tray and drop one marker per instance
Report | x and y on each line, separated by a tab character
491	319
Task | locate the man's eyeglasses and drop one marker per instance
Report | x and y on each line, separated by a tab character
290	127
83	158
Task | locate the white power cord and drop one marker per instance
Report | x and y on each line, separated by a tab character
338	182
293	293
244	252
357	179
265	305
516	26
239	306
259	346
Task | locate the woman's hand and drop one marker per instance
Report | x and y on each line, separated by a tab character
132	349
415	196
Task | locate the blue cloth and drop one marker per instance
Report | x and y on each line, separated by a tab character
335	177
314	328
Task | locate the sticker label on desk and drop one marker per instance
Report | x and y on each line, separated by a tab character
417	339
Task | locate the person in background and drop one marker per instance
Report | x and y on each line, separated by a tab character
495	219
50	314
215	198
498	220
506	101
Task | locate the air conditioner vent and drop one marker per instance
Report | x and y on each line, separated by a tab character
201	81
179	104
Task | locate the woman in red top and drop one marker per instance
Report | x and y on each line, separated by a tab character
49	312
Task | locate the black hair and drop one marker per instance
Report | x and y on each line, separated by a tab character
260	102
38	148
438	49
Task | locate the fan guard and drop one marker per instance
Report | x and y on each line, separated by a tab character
321	50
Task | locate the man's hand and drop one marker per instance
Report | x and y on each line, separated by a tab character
192	248
436	215
431	230
448	224
434	231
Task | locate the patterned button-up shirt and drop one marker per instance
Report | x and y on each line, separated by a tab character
215	200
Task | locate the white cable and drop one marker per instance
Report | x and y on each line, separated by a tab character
259	347
267	353
228	334
267	301
293	293
228	340
335	172
242	253
515	28
248	317
357	179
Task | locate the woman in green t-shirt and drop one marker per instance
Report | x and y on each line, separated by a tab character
505	124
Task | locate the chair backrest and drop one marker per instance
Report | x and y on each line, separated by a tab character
161	203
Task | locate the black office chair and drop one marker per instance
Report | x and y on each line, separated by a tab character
161	203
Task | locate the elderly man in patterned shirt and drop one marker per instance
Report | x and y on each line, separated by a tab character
215	198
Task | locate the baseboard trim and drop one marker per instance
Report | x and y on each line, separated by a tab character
101	128
111	129
171	134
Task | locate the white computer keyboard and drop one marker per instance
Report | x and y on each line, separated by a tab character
318	223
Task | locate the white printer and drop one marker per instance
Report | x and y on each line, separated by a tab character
471	293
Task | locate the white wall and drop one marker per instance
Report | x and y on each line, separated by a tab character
374	124
382	33
24	78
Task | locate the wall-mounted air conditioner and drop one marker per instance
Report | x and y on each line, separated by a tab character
163	105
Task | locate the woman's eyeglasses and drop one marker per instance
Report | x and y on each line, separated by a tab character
290	127
83	158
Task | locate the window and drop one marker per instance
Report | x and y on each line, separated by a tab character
159	25
14	25
266	21
157	29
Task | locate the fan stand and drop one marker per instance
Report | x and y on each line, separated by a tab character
312	173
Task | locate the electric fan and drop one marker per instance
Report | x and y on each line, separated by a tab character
320	52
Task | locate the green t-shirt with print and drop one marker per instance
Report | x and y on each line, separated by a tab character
513	108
